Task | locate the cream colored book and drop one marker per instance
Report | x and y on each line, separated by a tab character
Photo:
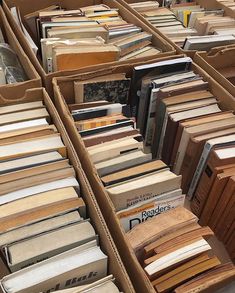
83	264
39	227
122	162
113	149
40	188
105	285
37	248
21	107
23	116
126	194
30	161
33	146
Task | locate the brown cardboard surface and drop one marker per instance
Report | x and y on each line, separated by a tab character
213	63
210	4
64	94
27	7
116	266
17	89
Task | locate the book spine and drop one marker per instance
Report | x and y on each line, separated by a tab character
199	170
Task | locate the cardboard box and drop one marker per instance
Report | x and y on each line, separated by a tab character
216	62
26	7
17	90
116	266
64	95
209	4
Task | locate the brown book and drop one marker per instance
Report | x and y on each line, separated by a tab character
193	131
204	232
149	249
65	58
79	106
230	235
217	157
108	137
34	171
133	172
149	231
183	276
193	153
41	213
220	211
218	186
29	181
209	281
193	122
172	127
196	260
27	133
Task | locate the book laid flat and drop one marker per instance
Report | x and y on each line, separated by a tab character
86	261
44	230
104	285
176	254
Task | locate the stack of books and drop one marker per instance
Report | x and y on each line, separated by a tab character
191	26
11	71
46	239
150	135
176	255
71	39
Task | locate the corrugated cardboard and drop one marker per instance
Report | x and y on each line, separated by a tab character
17	89
64	94
115	264
212	62
27	7
209	4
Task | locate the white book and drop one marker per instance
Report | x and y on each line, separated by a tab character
23	125
147	209
177	256
78	266
30	161
42	144
203	159
38	227
40	247
12	196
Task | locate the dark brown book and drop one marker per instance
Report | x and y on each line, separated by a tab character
193	122
215	193
217	157
210	281
218	219
193	153
105	138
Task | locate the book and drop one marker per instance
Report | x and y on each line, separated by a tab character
113	88
214	279
39	227
143	211
21	107
33	146
160	262
126	194
149	231
48	244
82	265
133	172
109	150
122	162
